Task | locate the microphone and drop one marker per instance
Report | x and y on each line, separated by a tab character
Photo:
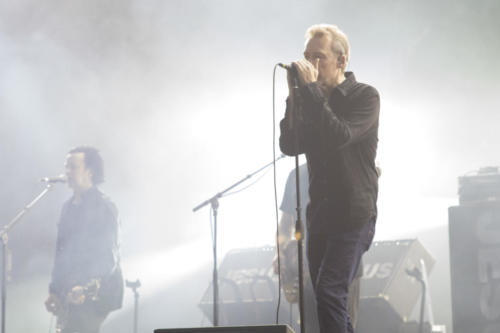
292	70
287	67
52	180
415	272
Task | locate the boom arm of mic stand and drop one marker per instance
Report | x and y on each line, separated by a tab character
4	239
221	194
5	230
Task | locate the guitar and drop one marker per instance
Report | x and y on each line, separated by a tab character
289	271
76	296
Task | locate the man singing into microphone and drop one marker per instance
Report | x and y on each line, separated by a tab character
333	119
86	282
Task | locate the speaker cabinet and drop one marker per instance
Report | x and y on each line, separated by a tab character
475	267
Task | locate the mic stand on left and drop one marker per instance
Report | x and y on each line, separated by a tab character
214	202
4	235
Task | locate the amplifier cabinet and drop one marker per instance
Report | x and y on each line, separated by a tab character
475	267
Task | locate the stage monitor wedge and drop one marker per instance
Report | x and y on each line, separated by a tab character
229	329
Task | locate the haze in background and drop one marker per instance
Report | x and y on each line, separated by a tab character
177	95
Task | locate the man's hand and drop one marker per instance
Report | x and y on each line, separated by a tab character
76	295
305	71
285	235
53	304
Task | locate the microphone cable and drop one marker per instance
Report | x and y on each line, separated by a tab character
276	196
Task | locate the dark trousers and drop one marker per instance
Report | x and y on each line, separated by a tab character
333	262
311	316
311	313
83	318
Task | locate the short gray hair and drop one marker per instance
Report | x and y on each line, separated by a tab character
340	43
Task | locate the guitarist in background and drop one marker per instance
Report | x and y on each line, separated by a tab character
87	282
288	249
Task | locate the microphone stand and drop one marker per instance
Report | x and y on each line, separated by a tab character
4	235
299	236
214	202
134	286
417	274
299	228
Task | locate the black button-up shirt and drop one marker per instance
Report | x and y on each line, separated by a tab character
87	248
339	136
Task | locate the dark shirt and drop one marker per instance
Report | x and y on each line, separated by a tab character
339	136
87	248
289	201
